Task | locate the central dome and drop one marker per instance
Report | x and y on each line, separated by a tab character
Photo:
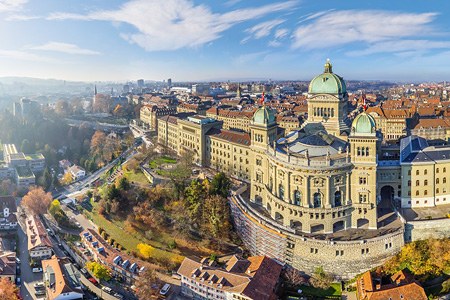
327	82
264	116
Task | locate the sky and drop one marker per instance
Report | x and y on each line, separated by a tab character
208	40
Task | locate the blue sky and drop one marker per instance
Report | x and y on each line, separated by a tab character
230	39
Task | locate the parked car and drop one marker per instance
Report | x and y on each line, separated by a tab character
165	289
118	296
17	260
107	289
94	282
18	282
39	285
36	270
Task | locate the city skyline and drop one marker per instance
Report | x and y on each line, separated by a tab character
200	41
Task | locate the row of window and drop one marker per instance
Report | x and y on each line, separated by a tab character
425	182
323	112
425	172
362	151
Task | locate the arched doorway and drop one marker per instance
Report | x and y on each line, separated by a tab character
338	226
387	193
297	225
338	198
317	200
258	200
297	197
362	223
319	228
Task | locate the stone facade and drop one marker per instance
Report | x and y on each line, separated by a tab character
424	229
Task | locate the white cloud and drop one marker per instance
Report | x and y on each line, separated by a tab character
65	48
281	33
174	24
263	29
24	56
19	17
406	47
249	57
11	5
337	28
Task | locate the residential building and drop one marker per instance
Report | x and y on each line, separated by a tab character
432	129
197	108
400	286
233	119
391	122
256	277
39	244
61	279
77	172
8	208
8	265
122	265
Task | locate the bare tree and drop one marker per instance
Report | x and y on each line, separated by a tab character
294	277
148	284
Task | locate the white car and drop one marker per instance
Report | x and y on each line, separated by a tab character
39	285
107	289
36	270
165	289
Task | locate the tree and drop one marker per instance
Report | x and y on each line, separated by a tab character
216	215
8	290
67	178
98	270
320	279
37	200
55	206
26	147
293	277
124	184
148	285
220	185
181	173
194	197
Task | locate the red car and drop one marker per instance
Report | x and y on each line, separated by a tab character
94	282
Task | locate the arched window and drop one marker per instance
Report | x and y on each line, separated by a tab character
281	191
425	172
444	170
409	182
317	200
444	180
332	112
425	182
425	192
367	151
315	111
417	182
359	151
363	151
338	198
437	180
417	193
437	170
297	197
409	172
417	172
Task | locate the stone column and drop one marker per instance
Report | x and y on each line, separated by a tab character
329	195
307	201
275	181
347	189
288	187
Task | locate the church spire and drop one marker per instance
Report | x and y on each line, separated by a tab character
328	67
95	90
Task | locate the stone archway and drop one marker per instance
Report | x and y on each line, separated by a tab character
297	225
317	228
279	217
338	226
258	200
387	193
362	223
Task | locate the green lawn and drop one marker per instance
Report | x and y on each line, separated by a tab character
161	160
333	290
136	176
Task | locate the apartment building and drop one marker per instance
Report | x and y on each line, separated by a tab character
256	277
61	280
39	244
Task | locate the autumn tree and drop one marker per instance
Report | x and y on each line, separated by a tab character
37	200
8	290
293	277
67	178
194	197
320	279
98	270
148	285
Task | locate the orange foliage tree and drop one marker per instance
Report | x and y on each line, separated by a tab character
37	200
8	290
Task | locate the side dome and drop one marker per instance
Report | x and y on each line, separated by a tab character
327	82
264	116
363	124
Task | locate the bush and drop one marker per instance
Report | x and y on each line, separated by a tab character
145	250
172	244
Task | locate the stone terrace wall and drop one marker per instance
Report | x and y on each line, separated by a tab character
423	229
344	259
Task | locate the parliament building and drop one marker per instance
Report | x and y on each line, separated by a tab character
320	195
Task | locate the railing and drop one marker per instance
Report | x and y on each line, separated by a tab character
307	161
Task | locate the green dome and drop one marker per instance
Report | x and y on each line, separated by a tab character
264	116
363	124
327	82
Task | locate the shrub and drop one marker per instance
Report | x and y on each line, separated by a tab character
172	244
145	250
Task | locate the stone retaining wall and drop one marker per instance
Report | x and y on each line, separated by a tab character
423	229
